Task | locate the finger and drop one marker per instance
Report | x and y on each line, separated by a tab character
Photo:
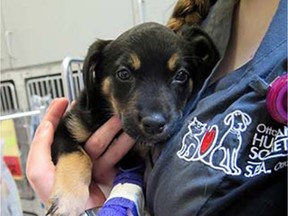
43	138
51	119
39	162
55	111
117	150
100	140
40	149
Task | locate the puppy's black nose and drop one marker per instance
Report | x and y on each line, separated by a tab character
154	123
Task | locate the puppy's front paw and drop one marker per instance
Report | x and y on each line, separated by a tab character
71	188
68	203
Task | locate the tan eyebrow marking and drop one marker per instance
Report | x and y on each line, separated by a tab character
135	61
172	61
106	86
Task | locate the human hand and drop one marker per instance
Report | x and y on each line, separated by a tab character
106	151
40	169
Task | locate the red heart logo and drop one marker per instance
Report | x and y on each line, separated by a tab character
207	140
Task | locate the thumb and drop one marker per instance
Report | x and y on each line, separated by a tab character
40	168
39	157
41	144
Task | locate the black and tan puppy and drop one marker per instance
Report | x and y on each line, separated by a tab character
145	76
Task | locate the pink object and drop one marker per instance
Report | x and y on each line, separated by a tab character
277	99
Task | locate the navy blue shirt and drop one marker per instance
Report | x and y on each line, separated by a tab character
229	157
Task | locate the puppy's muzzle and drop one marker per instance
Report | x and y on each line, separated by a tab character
153	123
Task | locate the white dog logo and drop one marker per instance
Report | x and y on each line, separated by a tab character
225	155
200	143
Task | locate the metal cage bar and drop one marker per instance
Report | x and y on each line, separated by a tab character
9	102
72	76
42	86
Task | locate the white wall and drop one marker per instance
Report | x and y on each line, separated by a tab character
37	32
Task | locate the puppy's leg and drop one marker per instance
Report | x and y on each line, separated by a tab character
71	187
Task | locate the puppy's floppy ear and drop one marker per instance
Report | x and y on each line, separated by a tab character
91	65
205	53
92	60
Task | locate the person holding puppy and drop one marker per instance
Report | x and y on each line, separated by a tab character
229	157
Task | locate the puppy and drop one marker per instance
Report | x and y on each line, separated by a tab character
145	76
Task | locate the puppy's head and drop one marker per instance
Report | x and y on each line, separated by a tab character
148	74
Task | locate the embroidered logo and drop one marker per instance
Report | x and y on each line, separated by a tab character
202	143
199	143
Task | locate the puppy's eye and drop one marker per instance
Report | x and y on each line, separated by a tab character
181	76
123	74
